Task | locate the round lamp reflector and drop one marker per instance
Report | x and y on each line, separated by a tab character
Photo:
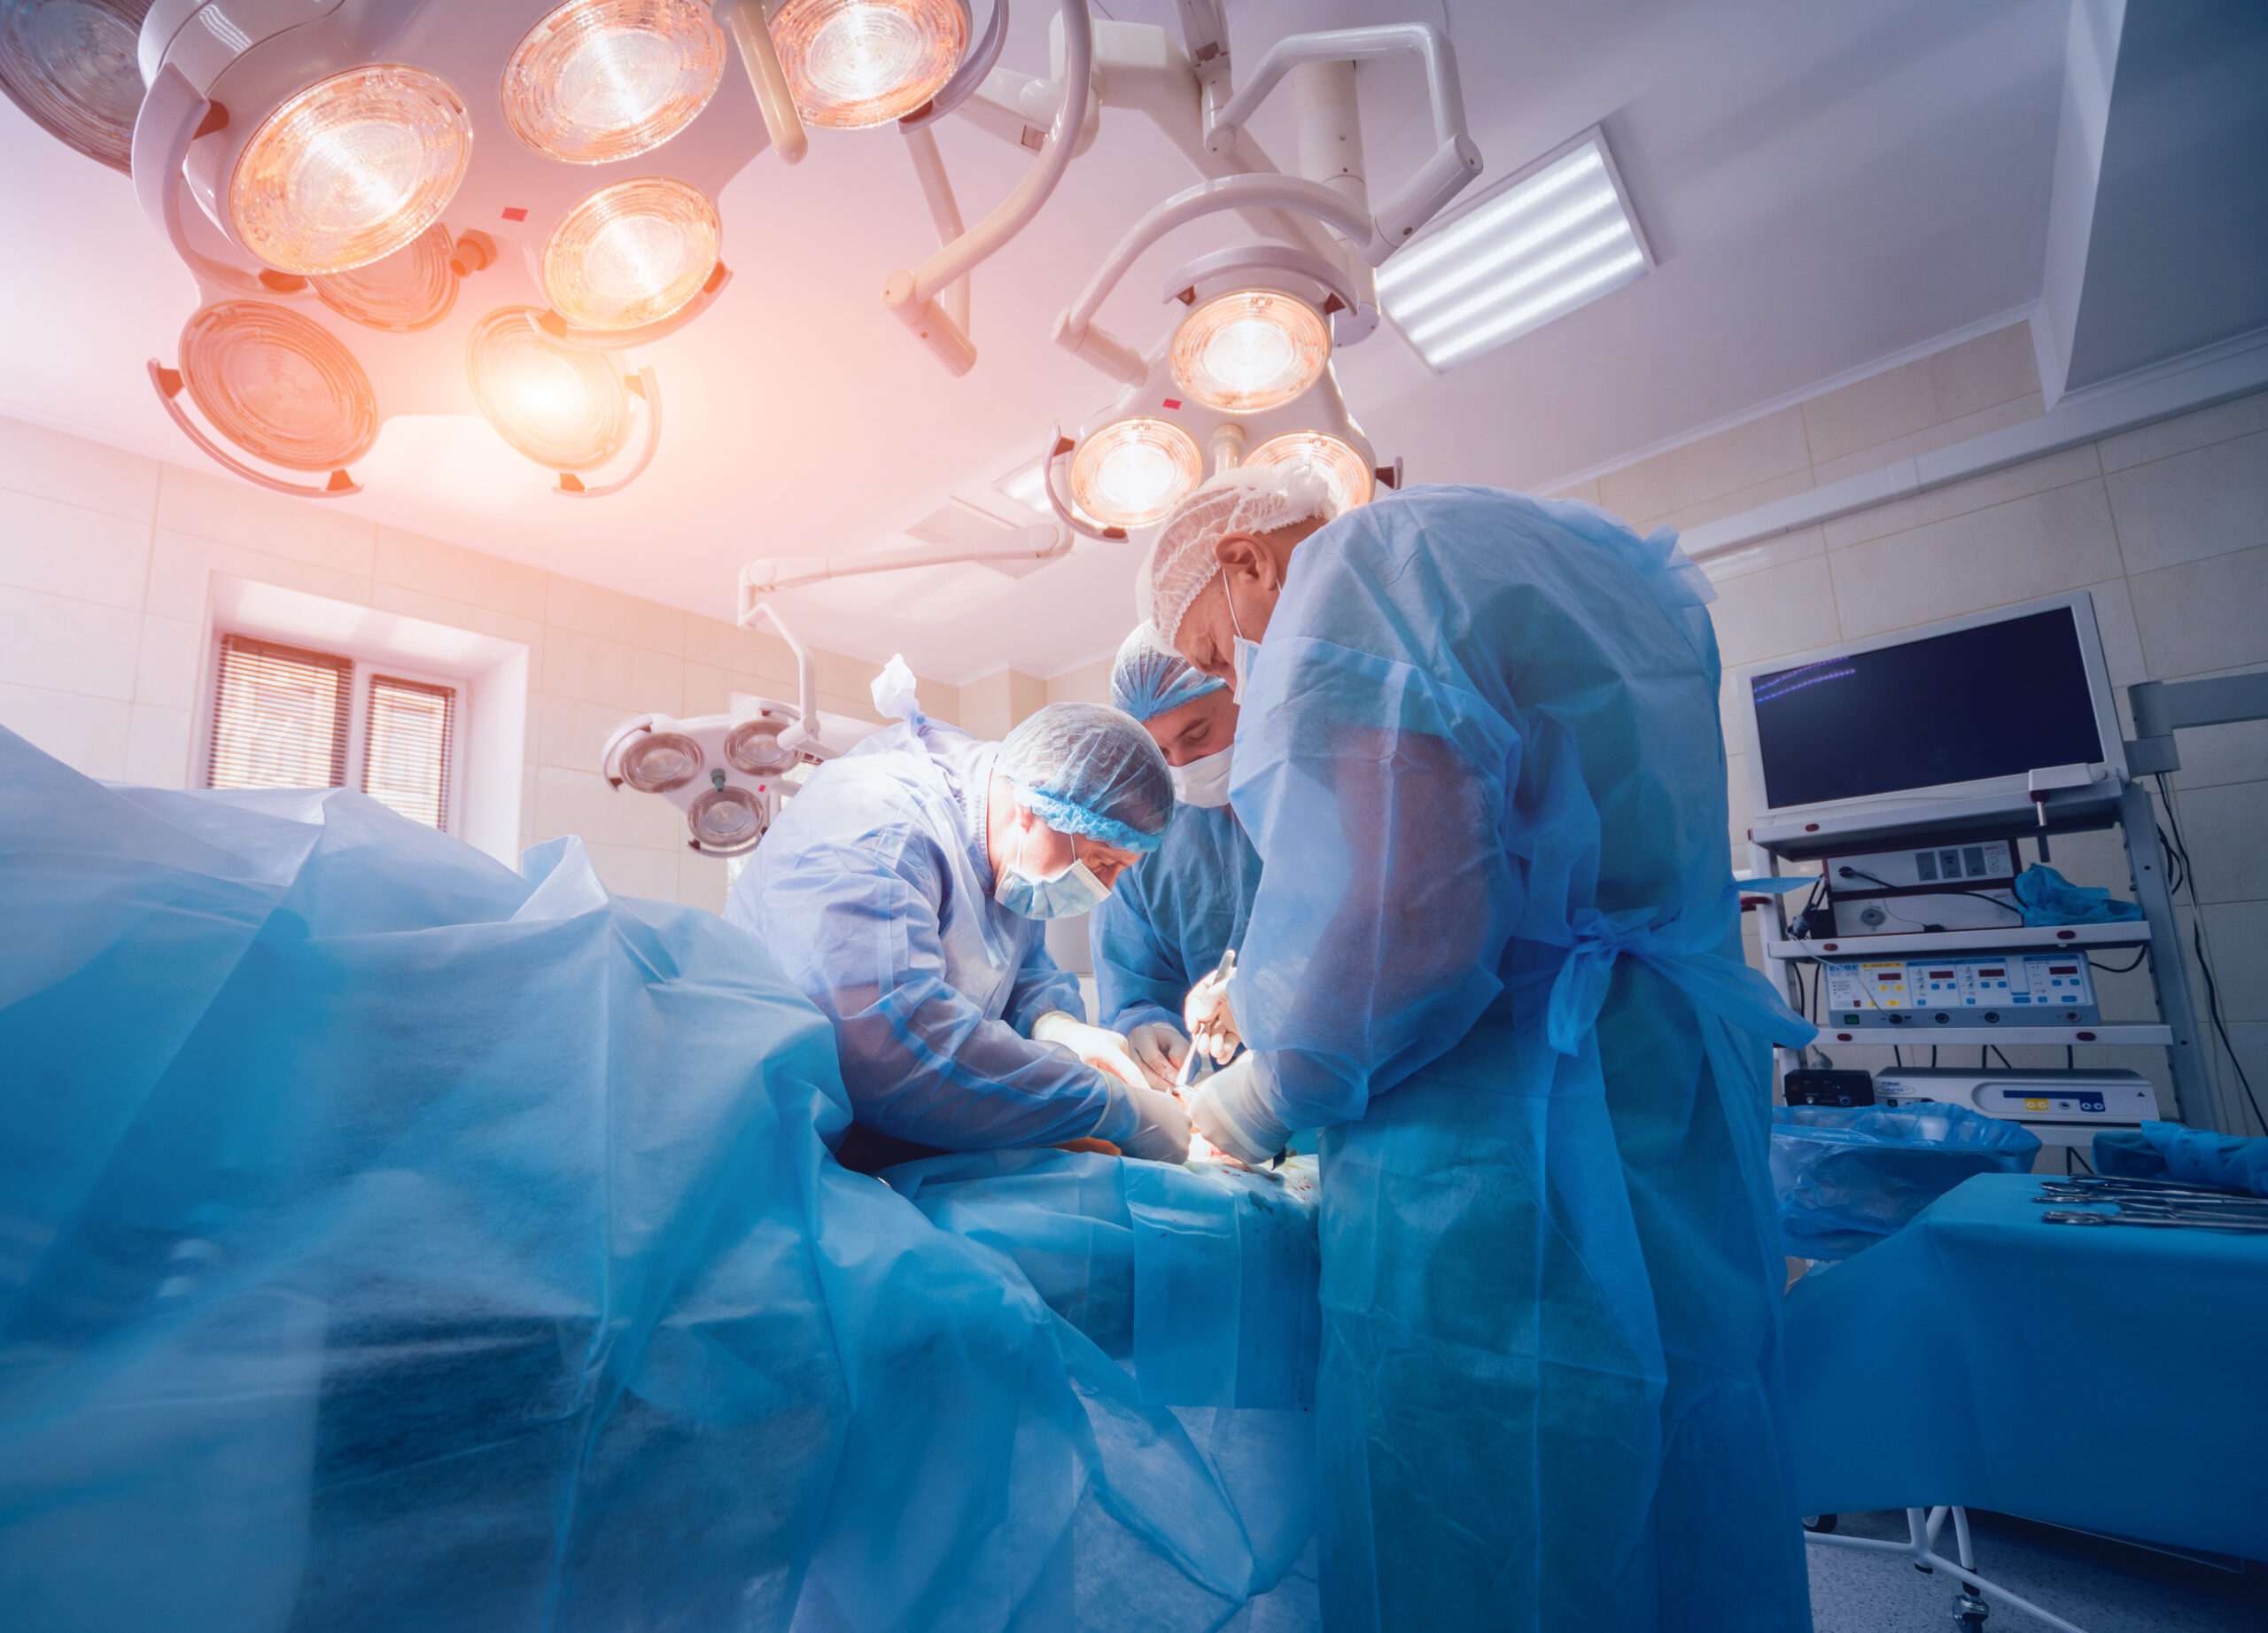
70	65
661	761
753	748
1344	471
278	384
1132	473
727	820
854	63
631	253
1250	351
410	290
602	80
561	405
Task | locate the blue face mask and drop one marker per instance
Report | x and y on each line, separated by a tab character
1068	894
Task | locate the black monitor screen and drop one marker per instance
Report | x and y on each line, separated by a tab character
1995	700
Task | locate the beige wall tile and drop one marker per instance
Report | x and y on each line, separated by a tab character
1931	438
984	706
701	881
2215	754
2204	615
581	802
157	747
171	663
1741	457
570	603
571	734
210	507
89	735
71	550
1089	683
627	870
747	651
60	645
1776	551
2035	546
2237	936
417	562
1998	488
1027	697
1588	492
1959	381
1728	504
2223	827
632	678
458	615
2204	503
1778	610
2222	423
181	566
55	464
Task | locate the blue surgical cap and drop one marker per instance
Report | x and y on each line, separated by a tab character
1083	768
1149	679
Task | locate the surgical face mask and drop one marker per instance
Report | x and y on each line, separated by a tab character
1068	894
1203	782
1244	656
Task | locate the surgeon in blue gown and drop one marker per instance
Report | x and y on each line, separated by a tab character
904	891
1496	957
1168	921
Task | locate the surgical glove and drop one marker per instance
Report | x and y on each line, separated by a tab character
1227	1110
1161	1127
1211	1021
1159	1048
1099	1047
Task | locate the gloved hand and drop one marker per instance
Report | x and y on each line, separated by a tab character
1227	1110
1099	1047
1211	1021
1161	1129
1159	1048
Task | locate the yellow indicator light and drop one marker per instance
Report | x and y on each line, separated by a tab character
1343	471
631	253
602	80
1132	473
278	384
349	170
1250	351
561	405
854	63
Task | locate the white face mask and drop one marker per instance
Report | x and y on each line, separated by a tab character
1203	782
1244	654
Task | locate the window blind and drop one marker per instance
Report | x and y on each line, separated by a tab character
406	751
281	718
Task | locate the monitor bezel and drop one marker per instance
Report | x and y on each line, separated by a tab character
2081	604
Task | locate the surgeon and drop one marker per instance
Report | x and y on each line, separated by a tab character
904	891
1168	921
1496	957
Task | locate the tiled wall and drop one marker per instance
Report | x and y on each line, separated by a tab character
2166	526
106	560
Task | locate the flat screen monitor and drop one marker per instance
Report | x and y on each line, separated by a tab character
1989	700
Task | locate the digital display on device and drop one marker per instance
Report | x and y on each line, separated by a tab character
1995	700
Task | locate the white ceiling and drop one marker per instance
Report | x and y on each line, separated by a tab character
1823	185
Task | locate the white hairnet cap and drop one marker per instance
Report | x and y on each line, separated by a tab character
1248	500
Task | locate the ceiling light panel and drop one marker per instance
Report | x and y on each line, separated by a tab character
1544	242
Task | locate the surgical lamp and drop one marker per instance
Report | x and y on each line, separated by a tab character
69	66
731	773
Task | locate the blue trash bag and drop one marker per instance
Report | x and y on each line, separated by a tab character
2193	1155
2047	897
1845	1178
389	1240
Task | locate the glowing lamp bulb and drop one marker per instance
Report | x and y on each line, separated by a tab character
349	170
631	253
602	80
560	405
661	761
1344	471
1133	471
1250	351
278	384
725	820
855	63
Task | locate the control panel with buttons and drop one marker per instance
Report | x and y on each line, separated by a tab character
2037	989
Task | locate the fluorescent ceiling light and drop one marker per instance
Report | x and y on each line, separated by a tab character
1027	486
1555	237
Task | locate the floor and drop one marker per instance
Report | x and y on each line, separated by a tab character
2103	1587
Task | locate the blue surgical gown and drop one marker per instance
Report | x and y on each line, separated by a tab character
874	893
1171	916
1496	950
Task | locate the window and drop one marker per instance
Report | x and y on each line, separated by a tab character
289	717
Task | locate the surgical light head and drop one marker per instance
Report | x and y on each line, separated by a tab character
1149	680
1248	500
855	63
70	64
1250	350
602	80
1085	769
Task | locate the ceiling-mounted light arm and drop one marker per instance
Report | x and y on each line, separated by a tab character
745	21
1455	160
645	387
173	114
1059	449
966	79
168	384
912	295
806	728
945	209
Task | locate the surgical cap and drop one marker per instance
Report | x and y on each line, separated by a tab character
1151	679
1083	768
1248	500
